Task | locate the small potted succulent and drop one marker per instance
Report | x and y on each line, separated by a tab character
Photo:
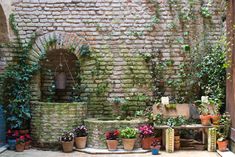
155	147
12	135
223	133
80	133
67	141
20	144
146	135
111	139
28	141
128	137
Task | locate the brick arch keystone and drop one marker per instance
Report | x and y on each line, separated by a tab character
55	40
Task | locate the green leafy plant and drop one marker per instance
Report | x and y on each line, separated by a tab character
224	131
129	133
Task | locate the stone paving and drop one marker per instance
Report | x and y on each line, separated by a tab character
39	153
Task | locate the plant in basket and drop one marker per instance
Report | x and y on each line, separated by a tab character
67	140
223	133
146	135
28	141
129	137
111	139
12	135
80	133
156	146
20	144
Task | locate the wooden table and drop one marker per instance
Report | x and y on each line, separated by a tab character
208	138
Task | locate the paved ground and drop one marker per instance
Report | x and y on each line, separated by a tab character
38	153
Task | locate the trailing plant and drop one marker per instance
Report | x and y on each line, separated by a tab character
16	79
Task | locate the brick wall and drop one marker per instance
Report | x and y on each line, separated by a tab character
117	31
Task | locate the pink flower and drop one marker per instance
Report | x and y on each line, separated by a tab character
22	137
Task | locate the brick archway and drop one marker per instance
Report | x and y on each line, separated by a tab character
3	27
56	40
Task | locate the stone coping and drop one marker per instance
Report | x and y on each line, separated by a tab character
106	151
100	120
56	103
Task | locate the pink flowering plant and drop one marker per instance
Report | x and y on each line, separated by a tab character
146	130
20	140
12	134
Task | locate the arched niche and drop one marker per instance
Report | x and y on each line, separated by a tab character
58	75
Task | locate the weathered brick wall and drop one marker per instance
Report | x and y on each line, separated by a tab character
118	30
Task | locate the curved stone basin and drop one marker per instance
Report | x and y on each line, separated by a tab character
97	128
49	119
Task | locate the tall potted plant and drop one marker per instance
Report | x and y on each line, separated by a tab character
111	139
224	132
80	136
146	135
129	137
67	141
204	113
20	144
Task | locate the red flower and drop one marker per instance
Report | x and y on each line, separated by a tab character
16	133
22	137
9	131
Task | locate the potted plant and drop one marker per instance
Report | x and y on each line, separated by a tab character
67	140
12	135
28	141
80	136
214	110
146	135
128	137
204	113
20	144
155	147
111	139
224	132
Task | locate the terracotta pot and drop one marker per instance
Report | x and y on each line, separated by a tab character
23	132
27	145
146	142
205	120
128	143
112	144
80	142
177	146
67	146
215	119
222	145
20	147
177	138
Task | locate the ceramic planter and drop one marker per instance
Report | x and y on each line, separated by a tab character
146	142
215	119
12	144
222	145
112	144
155	150
67	146
20	147
81	142
205	120
128	143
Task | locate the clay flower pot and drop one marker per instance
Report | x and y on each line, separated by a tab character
112	144
222	145
215	119
27	145
205	120
80	142
20	147
146	142
67	146
128	143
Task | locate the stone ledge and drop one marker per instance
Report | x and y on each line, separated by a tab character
106	151
226	153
